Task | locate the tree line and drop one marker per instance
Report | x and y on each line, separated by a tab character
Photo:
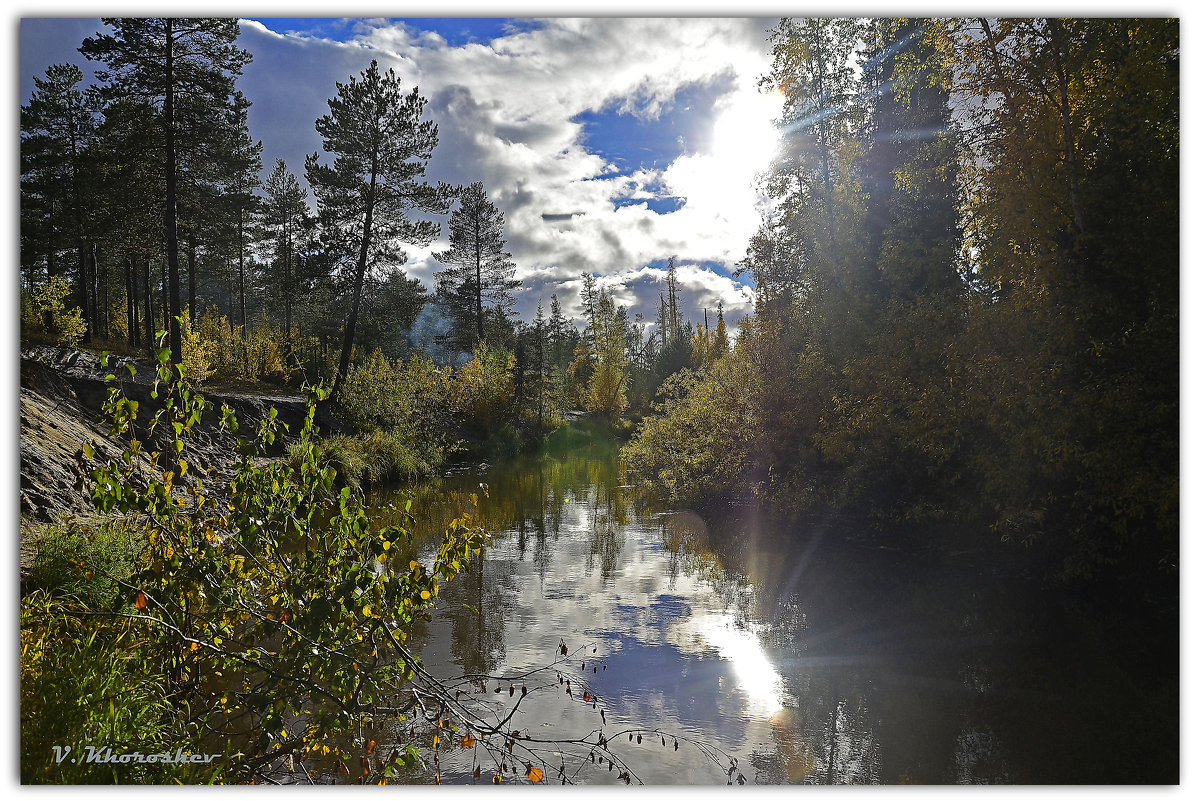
143	208
967	308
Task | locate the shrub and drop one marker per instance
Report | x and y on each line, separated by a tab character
263	354
86	563
482	390
699	443
45	312
372	395
278	579
232	353
198	354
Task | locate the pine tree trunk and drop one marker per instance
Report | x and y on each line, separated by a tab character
190	277
174	300
84	295
130	301
148	287
362	264
480	323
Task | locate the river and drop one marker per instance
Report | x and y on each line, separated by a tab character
810	656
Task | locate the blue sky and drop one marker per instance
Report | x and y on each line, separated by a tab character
455	30
606	142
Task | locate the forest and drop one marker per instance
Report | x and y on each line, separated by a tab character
965	336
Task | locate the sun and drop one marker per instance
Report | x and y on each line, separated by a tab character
720	183
745	133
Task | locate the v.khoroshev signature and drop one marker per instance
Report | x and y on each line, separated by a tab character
105	755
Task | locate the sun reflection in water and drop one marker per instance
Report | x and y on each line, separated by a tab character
741	647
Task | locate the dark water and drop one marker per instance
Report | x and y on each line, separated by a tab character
806	657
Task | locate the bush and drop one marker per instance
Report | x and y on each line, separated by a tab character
373	394
482	390
699	444
199	355
233	354
45	313
278	579
84	563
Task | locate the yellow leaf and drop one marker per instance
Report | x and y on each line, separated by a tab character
424	595
535	775
467	741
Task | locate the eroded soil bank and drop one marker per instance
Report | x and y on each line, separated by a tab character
61	398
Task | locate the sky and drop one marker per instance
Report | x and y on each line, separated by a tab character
610	144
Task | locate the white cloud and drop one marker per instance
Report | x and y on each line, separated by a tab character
504	111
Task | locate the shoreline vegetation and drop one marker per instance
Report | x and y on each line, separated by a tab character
965	338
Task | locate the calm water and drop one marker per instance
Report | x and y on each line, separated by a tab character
806	658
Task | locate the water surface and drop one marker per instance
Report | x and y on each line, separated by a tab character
809	656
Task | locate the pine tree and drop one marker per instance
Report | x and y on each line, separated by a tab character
381	146
479	268
283	217
57	128
557	327
160	60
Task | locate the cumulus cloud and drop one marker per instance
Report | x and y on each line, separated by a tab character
507	114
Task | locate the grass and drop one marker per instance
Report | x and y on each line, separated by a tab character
83	562
88	673
377	456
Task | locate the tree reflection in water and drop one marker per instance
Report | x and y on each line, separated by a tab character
812	657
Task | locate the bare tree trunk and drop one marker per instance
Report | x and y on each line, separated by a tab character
190	277
362	265
174	299
149	327
130	291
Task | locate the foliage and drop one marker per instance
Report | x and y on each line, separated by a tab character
90	679
77	561
45	311
198	355
481	390
606	393
275	619
700	443
958	320
367	195
221	341
215	348
372	397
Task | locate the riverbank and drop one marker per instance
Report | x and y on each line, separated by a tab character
62	391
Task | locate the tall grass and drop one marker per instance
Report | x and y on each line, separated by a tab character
88	674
